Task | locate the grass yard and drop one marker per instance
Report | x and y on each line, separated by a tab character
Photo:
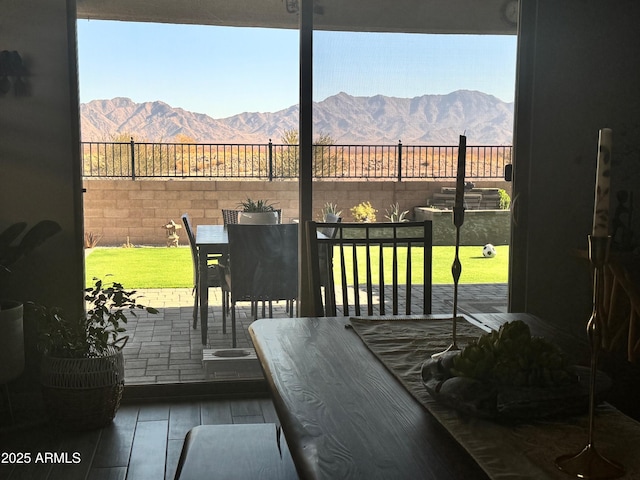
162	267
475	267
144	267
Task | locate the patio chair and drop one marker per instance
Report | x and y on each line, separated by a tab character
263	266
381	268
215	274
230	217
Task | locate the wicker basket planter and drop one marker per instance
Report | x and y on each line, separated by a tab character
82	372
83	393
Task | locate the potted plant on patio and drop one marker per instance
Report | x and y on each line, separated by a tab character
258	212
82	371
12	358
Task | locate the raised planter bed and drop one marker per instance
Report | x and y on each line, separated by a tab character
475	199
480	226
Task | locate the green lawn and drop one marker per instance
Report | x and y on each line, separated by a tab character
162	267
145	267
475	267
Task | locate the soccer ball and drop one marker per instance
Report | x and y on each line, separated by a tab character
489	251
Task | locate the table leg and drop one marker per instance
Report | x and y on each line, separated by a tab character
203	292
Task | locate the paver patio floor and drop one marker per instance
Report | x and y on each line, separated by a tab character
164	348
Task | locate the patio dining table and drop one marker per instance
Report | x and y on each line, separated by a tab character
211	240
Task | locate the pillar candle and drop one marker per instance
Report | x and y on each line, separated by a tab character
603	184
462	154
458	207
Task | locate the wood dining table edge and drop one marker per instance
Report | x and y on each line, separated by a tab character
297	450
278	403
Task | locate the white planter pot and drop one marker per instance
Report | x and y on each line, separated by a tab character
11	341
258	218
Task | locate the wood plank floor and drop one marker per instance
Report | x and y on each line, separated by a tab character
143	443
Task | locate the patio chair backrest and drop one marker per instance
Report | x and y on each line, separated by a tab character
263	262
230	217
192	244
361	256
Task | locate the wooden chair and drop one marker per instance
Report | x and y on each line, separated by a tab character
235	451
620	307
263	266
363	255
215	274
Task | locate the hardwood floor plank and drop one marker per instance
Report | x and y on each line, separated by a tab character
174	448
76	455
242	408
108	473
153	411
5	469
182	418
115	444
215	412
148	453
144	442
268	411
247	419
31	441
30	472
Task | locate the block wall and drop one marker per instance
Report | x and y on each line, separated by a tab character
120	211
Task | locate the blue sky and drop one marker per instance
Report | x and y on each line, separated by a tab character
222	71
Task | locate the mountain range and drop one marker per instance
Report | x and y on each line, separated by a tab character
347	119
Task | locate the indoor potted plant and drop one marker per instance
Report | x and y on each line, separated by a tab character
82	371
12	357
259	212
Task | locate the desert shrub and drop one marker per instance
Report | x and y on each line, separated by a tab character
364	212
505	199
395	215
329	208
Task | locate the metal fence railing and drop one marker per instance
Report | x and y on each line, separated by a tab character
279	161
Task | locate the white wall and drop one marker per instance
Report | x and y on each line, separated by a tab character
39	158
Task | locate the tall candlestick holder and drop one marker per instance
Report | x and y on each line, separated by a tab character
456	270
589	463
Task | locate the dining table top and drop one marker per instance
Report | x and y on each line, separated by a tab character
346	415
212	235
342	414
